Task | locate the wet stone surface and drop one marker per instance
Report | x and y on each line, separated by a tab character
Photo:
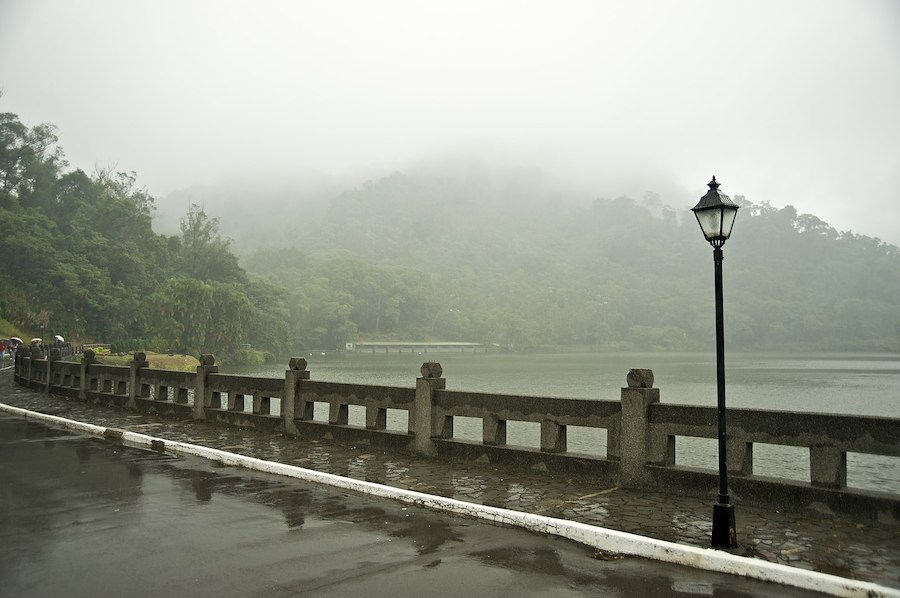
809	540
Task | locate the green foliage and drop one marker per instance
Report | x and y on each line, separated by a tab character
81	259
8	330
129	345
248	357
194	317
509	260
515	262
204	254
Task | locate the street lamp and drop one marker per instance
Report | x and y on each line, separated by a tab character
715	213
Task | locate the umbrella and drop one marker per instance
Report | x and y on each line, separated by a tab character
16	340
59	338
36	341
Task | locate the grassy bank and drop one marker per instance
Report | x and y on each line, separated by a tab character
161	361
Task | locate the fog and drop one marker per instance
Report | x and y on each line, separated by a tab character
785	102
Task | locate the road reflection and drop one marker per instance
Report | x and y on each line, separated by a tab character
82	516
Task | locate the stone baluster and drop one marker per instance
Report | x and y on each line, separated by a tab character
87	359
134	378
207	366
291	405
635	430
827	466
422	424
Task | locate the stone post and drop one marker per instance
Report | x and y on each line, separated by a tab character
207	366
493	430
34	354
21	370
635	429
52	358
376	418
87	358
421	418
553	437
134	377
338	414
290	404
827	466
740	454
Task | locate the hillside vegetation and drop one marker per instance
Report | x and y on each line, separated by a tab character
503	258
512	260
80	258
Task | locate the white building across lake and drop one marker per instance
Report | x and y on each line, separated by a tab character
405	347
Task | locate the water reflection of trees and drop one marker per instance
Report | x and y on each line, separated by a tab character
298	501
47	474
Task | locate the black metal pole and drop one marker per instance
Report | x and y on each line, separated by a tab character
723	533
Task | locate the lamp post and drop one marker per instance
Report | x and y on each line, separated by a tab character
715	213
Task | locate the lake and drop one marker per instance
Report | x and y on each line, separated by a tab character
848	383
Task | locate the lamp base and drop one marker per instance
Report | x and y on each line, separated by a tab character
723	534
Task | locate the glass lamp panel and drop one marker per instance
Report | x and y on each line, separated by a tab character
728	216
711	222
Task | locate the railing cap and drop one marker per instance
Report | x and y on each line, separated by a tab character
432	369
640	378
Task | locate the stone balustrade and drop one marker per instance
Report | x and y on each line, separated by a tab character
640	432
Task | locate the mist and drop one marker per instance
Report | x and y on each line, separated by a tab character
787	103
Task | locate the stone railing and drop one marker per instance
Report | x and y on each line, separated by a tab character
64	350
640	432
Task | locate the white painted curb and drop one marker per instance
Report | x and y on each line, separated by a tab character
600	538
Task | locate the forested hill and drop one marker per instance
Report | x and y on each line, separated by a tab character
456	254
515	260
80	259
519	262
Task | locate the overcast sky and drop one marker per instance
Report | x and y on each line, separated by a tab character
787	101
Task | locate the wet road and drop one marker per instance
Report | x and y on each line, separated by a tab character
81	516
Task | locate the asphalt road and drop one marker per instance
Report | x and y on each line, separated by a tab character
81	516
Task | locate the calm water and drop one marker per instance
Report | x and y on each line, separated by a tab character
857	384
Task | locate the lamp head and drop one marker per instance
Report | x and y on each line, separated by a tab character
715	213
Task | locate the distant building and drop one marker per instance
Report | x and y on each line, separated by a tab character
405	347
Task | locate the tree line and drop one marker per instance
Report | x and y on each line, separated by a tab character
510	259
80	258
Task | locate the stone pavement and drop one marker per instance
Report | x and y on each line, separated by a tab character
815	540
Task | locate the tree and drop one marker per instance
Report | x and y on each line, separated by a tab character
205	254
30	161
